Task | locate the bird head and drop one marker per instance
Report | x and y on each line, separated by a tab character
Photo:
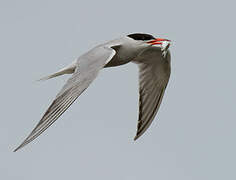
150	40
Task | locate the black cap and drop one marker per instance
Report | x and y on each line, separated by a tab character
140	36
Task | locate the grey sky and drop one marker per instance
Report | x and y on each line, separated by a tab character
193	135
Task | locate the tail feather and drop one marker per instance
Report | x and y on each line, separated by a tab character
67	70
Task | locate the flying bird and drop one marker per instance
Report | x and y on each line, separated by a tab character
149	53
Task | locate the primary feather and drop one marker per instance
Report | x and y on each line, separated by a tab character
87	68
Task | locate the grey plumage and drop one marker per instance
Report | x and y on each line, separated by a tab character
154	73
84	74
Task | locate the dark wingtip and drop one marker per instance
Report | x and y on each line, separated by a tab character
17	149
136	137
21	146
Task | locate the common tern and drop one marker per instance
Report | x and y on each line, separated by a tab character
149	53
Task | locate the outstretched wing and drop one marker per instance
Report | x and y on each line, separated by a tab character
86	71
154	73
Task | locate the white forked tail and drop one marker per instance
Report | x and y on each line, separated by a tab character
66	70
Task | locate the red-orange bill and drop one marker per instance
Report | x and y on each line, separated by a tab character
157	41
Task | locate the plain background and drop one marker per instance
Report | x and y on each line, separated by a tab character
193	134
